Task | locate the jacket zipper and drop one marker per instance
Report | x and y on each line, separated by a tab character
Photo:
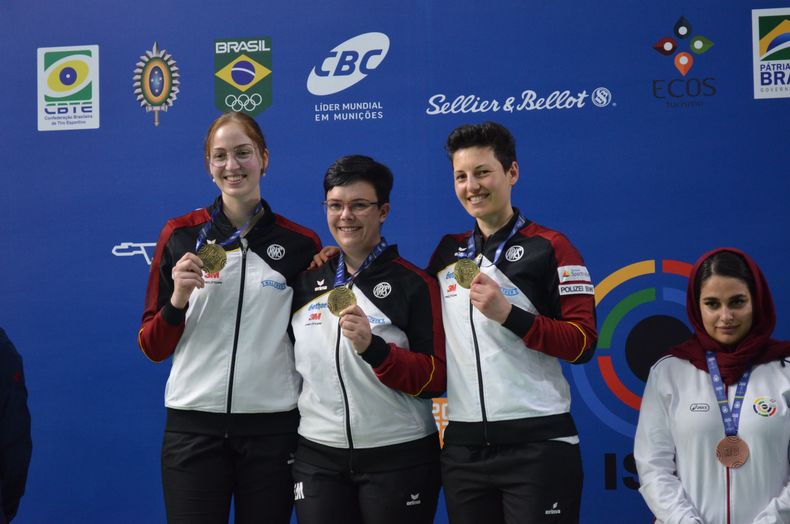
345	401
479	374
244	247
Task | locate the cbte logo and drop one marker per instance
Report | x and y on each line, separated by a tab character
68	88
683	88
643	310
348	63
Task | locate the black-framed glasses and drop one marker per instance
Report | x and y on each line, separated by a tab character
357	207
242	154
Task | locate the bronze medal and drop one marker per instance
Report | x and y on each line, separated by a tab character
465	271
732	452
213	257
339	299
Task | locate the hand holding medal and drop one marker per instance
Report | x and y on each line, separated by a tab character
187	275
355	326
343	303
466	269
486	295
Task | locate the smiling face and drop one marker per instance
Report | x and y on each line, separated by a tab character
356	232
483	186
239	178
726	307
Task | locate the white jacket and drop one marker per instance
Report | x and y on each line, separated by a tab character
679	426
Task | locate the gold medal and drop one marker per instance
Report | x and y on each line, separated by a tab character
465	271
339	299
732	452
213	257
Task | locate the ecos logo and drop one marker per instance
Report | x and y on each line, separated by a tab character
348	63
642	312
685	91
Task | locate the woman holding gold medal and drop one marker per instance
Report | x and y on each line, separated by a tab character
517	298
370	349
219	301
714	426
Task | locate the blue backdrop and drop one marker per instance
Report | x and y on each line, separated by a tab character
642	166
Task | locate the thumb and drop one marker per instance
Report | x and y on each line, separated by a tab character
482	279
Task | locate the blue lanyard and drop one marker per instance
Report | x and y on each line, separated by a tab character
341	264
731	417
201	239
470	242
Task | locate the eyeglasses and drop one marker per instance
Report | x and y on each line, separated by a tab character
357	207
242	154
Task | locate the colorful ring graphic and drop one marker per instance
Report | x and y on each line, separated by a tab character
608	328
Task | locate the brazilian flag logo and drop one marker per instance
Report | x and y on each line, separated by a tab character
243	74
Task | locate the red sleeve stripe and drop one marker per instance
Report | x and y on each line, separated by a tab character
293	226
436	307
152	306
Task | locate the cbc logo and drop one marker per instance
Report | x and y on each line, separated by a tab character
348	63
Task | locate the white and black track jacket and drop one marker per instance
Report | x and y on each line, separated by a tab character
232	356
504	381
381	399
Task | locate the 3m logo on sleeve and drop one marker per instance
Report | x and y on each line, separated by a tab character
573	274
577	289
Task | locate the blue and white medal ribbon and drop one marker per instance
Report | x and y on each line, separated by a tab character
341	297
470	242
212	254
731	451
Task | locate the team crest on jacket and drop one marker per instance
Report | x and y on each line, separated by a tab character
382	290
320	285
514	253
764	406
275	251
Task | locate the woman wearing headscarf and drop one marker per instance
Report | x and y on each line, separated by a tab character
714	427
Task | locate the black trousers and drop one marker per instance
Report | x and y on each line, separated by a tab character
403	496
513	484
202	473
